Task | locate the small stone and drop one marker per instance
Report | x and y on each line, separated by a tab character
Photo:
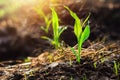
52	65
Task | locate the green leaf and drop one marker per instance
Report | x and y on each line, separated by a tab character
48	25
74	52
55	23
71	12
86	20
85	34
61	29
115	68
42	27
47	38
77	25
40	12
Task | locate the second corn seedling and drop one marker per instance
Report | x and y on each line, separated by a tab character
80	34
57	30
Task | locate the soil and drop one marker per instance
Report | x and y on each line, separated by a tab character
97	63
100	55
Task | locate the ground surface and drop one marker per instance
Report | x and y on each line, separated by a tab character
97	63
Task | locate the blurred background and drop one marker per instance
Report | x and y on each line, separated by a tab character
20	22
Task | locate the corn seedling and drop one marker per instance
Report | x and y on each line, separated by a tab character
47	19
81	35
57	30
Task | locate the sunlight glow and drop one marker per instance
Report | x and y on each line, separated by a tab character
24	2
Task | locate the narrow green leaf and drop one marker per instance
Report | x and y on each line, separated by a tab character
61	30
71	12
42	27
85	34
47	38
55	23
115	68
40	12
48	25
74	52
77	25
86	20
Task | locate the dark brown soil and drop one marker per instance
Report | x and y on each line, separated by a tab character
42	69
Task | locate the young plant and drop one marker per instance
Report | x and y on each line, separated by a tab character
46	18
84	77
95	65
116	67
80	34
57	30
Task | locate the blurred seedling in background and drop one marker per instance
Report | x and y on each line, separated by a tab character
57	30
47	18
80	34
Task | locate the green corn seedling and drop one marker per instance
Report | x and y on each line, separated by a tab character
80	34
46	18
57	30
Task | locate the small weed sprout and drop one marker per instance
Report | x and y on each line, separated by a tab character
116	67
95	65
46	72
84	77
57	30
27	60
102	60
81	35
70	62
71	78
